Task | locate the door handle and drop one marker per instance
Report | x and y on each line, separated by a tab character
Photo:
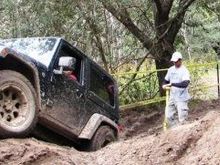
79	94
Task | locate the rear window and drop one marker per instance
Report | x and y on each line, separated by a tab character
102	86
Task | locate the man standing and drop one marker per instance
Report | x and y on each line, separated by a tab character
177	79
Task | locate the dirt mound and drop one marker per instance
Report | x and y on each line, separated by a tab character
143	120
147	120
32	151
176	146
193	143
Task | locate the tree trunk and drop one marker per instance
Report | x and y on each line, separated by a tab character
216	48
164	51
161	64
166	28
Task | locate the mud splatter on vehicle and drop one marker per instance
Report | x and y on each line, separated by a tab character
52	83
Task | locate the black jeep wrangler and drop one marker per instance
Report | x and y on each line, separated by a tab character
50	82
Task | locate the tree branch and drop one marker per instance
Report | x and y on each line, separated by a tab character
94	28
122	15
136	70
158	5
178	19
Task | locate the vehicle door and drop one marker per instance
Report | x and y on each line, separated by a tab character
67	95
101	93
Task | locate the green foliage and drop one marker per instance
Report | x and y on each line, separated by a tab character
203	81
143	87
23	18
200	33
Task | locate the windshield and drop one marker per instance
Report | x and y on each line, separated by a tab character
40	49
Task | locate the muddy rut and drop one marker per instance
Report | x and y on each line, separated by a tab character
197	142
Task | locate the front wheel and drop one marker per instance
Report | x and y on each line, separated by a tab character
103	136
17	105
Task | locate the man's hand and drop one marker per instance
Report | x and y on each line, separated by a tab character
166	86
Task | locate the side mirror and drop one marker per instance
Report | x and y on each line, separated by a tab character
64	62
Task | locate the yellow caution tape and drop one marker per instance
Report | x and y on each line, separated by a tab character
142	103
158	99
159	70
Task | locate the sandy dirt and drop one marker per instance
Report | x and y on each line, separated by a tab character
142	142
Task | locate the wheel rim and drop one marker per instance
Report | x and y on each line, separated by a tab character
13	106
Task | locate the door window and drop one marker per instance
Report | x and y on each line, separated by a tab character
72	72
102	86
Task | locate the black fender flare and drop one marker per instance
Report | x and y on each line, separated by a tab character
93	124
7	52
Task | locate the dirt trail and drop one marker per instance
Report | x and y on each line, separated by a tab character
178	146
197	142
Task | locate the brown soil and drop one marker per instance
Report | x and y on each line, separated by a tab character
149	120
142	142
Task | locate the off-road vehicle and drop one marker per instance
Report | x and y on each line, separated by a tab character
51	82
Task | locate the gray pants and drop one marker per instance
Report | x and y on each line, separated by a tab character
179	107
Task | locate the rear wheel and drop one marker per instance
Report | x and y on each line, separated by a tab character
103	136
17	105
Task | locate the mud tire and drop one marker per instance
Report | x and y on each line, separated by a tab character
103	136
18	105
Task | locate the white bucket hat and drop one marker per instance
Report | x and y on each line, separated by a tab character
176	56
